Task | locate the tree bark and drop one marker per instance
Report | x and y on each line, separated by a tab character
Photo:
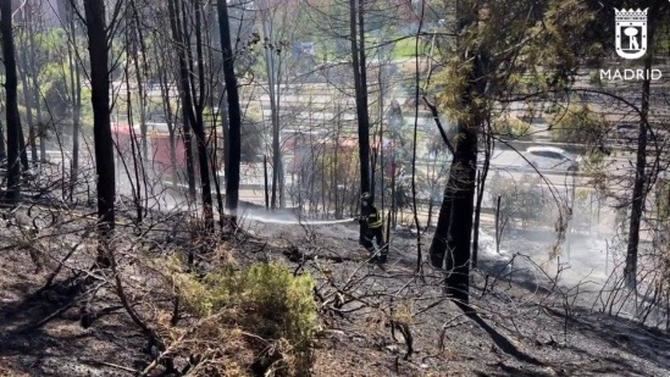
140	51
12	107
27	102
184	94
450	247
164	82
34	70
234	114
481	184
273	72
23	148
639	193
102	131
358	61
3	150
199	124
451	243
75	98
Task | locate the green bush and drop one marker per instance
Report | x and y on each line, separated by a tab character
578	124
269	301
511	127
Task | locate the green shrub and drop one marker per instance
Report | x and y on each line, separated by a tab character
511	127
578	124
269	301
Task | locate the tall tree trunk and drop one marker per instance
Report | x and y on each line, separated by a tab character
394	202
140	52
272	73
451	243
3	149
136	186
358	60
75	98
450	247
199	125
364	123
339	211
382	183
23	150
164	82
12	107
102	131
34	72
234	114
481	185
184	93
419	253
637	206
27	102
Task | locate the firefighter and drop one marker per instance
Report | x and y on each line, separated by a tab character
373	239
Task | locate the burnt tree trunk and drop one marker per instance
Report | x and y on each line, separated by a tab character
34	69
3	150
481	185
451	243
23	150
102	132
450	247
184	94
27	102
234	114
273	72
164	82
356	24
75	98
12	107
639	193
199	124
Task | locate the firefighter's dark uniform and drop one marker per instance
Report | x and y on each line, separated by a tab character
374	238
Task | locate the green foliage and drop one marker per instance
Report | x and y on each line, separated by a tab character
594	160
511	127
269	301
560	40
578	124
406	48
453	82
510	46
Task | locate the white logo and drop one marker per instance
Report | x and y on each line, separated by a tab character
631	33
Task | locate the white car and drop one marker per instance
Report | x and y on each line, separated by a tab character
551	158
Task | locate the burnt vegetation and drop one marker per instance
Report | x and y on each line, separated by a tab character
334	187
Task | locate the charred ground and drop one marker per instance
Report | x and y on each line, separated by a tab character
373	320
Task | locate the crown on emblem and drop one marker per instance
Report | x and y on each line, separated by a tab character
630	15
